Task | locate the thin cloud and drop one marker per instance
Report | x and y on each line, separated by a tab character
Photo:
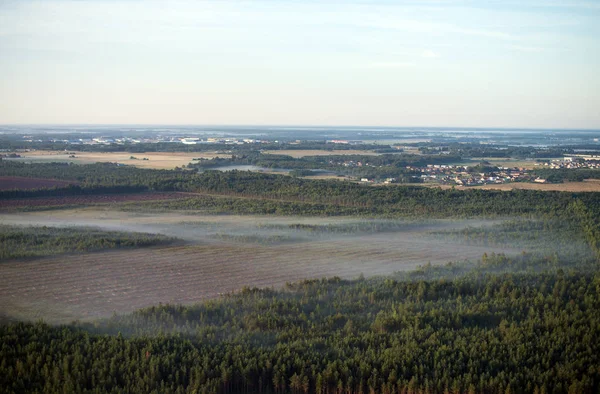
429	54
415	26
524	48
391	65
569	4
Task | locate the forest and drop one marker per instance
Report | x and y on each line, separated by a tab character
247	192
507	325
564	174
525	323
30	241
476	149
13	142
381	166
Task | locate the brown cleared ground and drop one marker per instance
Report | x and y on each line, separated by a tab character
590	185
23	183
156	160
91	199
63	288
317	152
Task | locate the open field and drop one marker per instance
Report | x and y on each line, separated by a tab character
86	286
505	162
18	182
317	152
590	185
89	199
156	160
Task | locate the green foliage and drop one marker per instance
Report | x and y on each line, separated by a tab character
588	221
381	166
475	149
545	235
477	333
264	193
247	192
559	175
19	242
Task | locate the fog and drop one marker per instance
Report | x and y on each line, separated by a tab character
269	230
224	253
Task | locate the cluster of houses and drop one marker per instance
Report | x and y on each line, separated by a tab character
460	175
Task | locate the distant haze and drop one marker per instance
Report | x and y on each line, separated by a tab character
398	63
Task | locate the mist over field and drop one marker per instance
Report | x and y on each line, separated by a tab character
224	253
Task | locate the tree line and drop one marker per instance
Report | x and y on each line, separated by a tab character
35	241
511	332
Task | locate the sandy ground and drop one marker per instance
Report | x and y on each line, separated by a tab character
157	160
590	185
86	286
316	152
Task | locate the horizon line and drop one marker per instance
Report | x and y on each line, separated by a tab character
287	126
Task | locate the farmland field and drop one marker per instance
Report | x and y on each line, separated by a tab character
222	254
83	200
590	185
156	160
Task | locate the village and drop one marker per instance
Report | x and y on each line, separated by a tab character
485	173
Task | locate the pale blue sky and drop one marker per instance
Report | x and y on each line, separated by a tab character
398	63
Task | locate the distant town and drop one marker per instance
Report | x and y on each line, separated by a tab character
460	169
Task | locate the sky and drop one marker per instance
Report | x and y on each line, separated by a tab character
533	64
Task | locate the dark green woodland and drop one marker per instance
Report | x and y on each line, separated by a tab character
528	323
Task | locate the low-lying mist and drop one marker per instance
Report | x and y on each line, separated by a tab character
224	253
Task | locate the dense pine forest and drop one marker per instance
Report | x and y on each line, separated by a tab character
248	192
527	323
499	327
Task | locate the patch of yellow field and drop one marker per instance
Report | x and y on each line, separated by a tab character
317	152
590	185
156	160
328	177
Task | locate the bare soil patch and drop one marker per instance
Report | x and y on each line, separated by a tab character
591	185
64	288
61	289
83	200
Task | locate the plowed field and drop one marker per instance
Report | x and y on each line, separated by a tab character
64	288
83	200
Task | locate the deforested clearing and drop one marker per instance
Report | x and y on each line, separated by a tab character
222	254
57	201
